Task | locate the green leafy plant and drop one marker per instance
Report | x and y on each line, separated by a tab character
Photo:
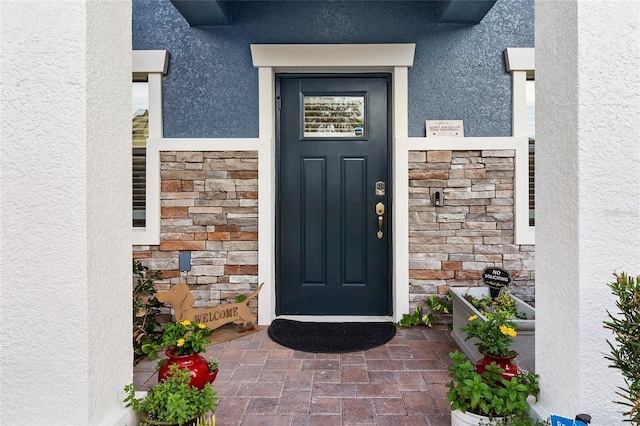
495	334
503	303
625	353
213	364
173	400
205	420
435	306
522	420
489	394
160	363
146	329
183	338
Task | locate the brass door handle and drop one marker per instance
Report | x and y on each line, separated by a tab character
380	213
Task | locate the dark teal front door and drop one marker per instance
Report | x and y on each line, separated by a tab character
333	213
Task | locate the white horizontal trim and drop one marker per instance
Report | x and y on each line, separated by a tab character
207	144
333	55
335	318
520	58
150	61
461	144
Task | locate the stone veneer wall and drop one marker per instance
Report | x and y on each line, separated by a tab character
209	206
450	245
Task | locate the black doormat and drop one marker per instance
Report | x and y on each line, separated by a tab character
330	337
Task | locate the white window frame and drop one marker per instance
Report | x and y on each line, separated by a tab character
520	62
151	64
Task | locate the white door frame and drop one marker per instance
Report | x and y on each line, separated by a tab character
330	58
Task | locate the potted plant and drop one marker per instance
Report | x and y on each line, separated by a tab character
494	337
183	341
625	353
174	401
483	397
494	386
504	302
463	300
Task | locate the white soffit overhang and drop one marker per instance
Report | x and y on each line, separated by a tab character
520	58
337	55
150	61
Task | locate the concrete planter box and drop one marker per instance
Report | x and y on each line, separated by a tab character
524	343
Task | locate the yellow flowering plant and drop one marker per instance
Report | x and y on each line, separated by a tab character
495	334
185	337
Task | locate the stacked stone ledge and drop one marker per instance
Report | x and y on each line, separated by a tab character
450	245
209	207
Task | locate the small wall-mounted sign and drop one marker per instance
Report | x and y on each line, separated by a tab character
564	421
496	277
445	128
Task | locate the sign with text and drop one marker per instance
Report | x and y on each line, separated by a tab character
496	277
181	300
564	421
445	128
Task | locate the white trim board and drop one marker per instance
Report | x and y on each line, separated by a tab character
317	58
520	62
205	144
313	56
152	64
150	61
520	58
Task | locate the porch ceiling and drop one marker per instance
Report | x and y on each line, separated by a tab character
206	13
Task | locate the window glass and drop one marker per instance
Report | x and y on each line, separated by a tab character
140	108
531	133
334	116
140	132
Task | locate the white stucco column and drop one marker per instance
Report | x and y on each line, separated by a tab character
587	195
65	221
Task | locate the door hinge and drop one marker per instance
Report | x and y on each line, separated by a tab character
279	103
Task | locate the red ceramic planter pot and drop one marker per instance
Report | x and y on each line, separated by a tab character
195	363
504	362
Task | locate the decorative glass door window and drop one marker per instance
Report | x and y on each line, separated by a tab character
334	116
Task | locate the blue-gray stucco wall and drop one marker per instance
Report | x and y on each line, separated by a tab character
211	88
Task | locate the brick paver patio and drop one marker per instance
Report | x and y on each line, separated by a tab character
262	383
